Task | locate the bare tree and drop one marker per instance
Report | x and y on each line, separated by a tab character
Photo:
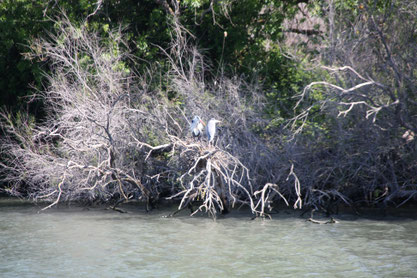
111	135
79	151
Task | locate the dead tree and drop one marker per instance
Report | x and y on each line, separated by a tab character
112	136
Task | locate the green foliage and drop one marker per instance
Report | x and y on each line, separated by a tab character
20	21
249	26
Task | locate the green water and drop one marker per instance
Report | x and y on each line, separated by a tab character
74	242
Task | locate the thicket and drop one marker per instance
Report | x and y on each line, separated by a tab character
359	121
323	119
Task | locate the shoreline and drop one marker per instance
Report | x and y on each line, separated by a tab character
408	211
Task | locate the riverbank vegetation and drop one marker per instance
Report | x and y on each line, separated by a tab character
316	99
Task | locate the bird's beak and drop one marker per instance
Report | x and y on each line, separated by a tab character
204	124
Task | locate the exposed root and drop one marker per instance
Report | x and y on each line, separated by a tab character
268	193
211	176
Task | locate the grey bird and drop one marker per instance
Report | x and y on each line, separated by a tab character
211	129
197	126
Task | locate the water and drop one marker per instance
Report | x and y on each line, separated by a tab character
74	242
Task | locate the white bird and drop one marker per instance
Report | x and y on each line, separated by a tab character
197	126
211	129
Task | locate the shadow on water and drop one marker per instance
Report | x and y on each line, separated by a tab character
165	210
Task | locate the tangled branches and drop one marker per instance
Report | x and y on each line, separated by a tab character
212	177
82	150
355	127
113	136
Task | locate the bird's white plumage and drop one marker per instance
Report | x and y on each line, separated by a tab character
211	129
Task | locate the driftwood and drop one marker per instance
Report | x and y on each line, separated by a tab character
329	221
